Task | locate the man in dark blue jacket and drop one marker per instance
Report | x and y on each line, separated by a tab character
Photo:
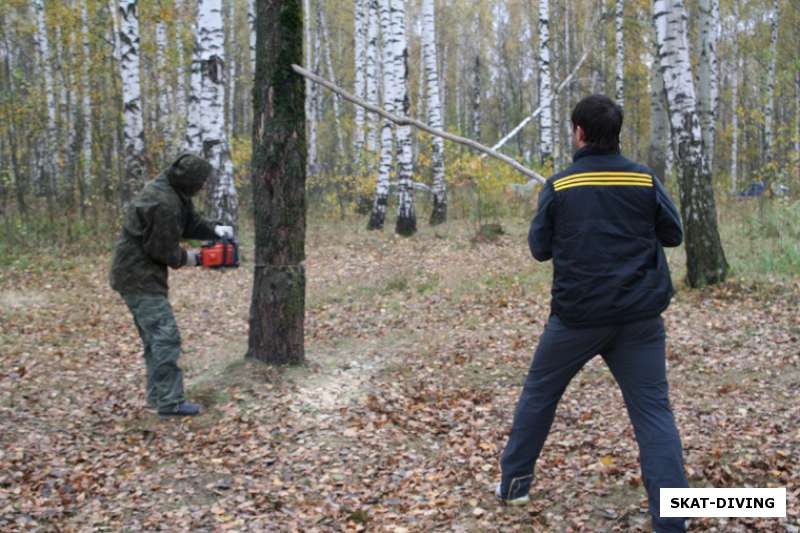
604	221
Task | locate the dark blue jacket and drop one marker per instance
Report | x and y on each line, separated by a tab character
604	222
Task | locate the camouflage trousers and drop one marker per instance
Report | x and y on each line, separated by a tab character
162	346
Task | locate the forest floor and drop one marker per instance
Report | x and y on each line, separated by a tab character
416	352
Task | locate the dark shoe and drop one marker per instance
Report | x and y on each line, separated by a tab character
182	409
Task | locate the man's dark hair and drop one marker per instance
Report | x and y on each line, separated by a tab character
601	120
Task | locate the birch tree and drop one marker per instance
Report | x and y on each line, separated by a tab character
85	122
311	92
206	129
705	258
406	214
708	84
619	40
381	198
44	178
361	25
546	117
769	111
371	73
277	306
133	131
439	212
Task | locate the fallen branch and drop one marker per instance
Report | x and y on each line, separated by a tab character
405	121
539	109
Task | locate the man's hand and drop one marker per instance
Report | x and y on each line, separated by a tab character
224	231
192	258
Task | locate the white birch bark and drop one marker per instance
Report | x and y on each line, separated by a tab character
705	258
86	103
439	212
735	67
708	84
406	213
378	215
43	179
208	109
769	112
546	118
133	130
361	25
619	39
311	94
371	73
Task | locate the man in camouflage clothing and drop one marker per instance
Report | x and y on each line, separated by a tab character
157	219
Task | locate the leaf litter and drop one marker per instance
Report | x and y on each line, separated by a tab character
416	353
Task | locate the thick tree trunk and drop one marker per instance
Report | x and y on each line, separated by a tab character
406	213
546	118
705	258
708	84
381	199
439	211
278	303
619	40
133	131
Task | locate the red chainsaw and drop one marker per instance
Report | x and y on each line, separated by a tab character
220	253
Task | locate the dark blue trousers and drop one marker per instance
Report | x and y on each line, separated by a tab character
635	354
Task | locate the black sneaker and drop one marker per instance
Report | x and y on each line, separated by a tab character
182	409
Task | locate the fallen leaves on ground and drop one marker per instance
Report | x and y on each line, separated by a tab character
416	352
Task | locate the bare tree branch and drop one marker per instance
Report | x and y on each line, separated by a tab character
405	121
539	109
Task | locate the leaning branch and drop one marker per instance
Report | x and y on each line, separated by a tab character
405	121
541	107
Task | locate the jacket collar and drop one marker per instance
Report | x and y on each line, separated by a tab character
591	149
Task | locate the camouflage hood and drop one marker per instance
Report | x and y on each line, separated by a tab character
188	173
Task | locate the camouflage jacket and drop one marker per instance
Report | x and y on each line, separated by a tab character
156	220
